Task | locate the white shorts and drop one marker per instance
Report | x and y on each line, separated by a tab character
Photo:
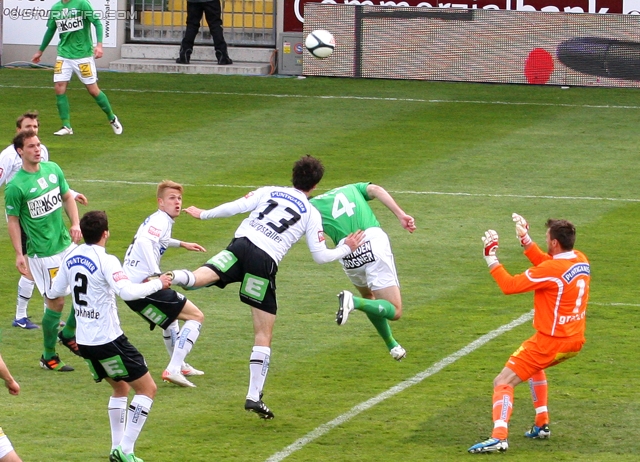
84	68
5	444
44	269
372	264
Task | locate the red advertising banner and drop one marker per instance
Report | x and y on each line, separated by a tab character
294	9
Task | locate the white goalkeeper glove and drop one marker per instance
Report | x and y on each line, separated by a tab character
522	229
490	241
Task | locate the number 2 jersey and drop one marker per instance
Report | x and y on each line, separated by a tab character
95	277
561	286
279	217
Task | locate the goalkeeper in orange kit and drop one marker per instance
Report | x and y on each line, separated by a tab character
560	282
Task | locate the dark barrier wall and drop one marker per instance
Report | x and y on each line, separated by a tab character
477	45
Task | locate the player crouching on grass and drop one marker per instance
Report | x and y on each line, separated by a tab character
560	279
97	277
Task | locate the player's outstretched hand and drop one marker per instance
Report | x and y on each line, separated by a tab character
81	199
490	242
408	223
522	229
193	246
355	240
195	212
166	280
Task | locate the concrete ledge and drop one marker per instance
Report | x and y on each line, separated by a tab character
200	53
169	66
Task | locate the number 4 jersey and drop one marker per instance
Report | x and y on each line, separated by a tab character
345	210
561	285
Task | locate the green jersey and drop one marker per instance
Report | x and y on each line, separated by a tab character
36	199
345	210
73	21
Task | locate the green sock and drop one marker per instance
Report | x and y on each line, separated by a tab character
69	329
379	308
63	110
103	102
50	323
383	328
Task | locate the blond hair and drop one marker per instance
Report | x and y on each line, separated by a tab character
168	184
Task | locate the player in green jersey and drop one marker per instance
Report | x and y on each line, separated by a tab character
73	19
34	199
371	266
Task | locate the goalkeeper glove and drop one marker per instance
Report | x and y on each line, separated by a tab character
522	229
490	241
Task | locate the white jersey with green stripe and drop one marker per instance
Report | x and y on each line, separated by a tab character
345	210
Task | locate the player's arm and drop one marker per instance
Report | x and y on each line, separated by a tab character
378	192
228	209
187	245
71	209
9	381
126	289
48	36
94	19
59	284
13	226
318	247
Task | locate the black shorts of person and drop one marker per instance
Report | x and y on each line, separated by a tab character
253	268
117	360
160	308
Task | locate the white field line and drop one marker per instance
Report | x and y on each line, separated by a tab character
437	367
432	193
346	97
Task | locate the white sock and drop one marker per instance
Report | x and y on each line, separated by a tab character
258	368
25	291
117	418
170	335
187	338
183	278
136	417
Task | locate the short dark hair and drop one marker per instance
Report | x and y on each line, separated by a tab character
93	224
18	140
307	173
27	115
563	231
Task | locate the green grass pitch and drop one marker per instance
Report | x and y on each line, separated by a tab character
458	157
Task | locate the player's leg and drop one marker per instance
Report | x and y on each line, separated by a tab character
263	323
62	72
187	336
86	71
7	453
25	292
201	277
539	396
117	410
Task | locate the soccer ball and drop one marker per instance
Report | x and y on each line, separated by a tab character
320	43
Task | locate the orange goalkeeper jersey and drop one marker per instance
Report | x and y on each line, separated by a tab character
561	285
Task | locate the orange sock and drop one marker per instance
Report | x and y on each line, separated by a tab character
539	393
502	407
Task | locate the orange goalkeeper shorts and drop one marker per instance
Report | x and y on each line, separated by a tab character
541	352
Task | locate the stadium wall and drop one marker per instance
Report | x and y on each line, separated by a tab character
477	45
